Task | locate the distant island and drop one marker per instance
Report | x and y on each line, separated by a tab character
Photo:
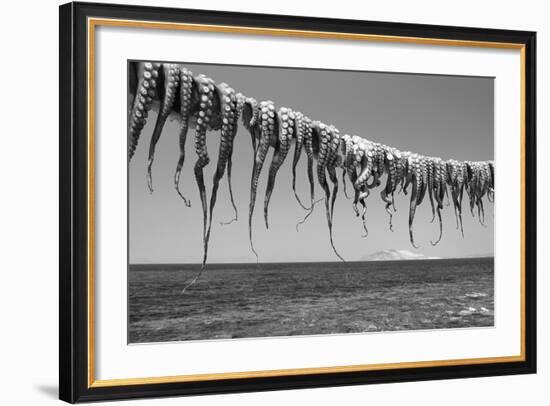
395	255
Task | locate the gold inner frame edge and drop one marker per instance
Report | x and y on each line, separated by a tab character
92	23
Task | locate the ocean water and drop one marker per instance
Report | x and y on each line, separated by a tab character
287	299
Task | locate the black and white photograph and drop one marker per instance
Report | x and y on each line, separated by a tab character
258	202
274	201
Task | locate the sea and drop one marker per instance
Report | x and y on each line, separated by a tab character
288	299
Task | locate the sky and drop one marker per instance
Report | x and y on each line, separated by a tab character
435	115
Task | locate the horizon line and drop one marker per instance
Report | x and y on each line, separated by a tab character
306	262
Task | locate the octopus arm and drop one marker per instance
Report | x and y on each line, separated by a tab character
286	130
308	147
362	198
430	179
228	111
250	115
460	194
332	163
325	135
266	121
188	98
366	166
347	161
423	186
439	186
387	193
298	146
147	75
170	76
239	108
206	92
408	177
416	190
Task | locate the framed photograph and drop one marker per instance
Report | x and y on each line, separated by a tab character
257	202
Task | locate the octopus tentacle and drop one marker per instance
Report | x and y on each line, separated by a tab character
377	165
472	185
229	183
424	180
240	99
266	122
228	111
385	196
308	147
481	194
430	180
287	125
206	92
344	184
170	74
132	88
333	162
309	213
334	180
416	167
325	135
347	160
356	193
250	115
459	193
147	74
298	146
363	200
366	164
490	183
456	179
491	194
187	90
391	183
440	186
480	212
352	157
249	112
400	172
356	159
409	171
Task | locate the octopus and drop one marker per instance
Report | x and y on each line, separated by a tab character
202	105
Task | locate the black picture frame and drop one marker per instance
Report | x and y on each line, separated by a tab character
73	255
